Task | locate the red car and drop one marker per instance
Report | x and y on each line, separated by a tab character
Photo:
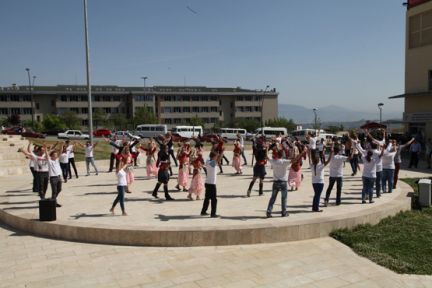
102	132
25	132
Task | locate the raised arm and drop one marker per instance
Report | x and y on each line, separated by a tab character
360	149
330	157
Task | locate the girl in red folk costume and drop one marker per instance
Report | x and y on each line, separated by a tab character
151	151
183	173
128	160
236	162
197	183
295	173
219	149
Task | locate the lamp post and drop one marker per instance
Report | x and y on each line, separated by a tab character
144	78
89	96
380	105
31	94
315	118
262	109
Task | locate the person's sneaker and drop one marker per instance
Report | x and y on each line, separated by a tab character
371	201
268	215
178	187
214	216
285	215
58	205
326	203
319	210
189	197
204	214
261	194
248	193
363	201
65	180
169	198
155	195
124	214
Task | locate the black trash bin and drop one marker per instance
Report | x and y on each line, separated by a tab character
47	210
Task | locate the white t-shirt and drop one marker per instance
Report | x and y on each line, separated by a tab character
318	173
388	160
211	171
31	163
54	168
379	165
64	158
121	178
370	168
114	149
89	151
320	147
70	150
312	143
336	165
41	164
280	169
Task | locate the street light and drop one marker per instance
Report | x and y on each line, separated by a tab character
31	93
144	78
315	118
380	108
262	109
90	109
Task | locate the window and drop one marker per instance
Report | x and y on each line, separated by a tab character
204	98
239	98
420	30
168	121
106	98
84	98
3	111
248	109
116	98
186	98
186	109
27	111
84	110
3	98
84	122
177	109
15	111
195	98
248	98
14	98
97	98
205	109
63	98
26	98
213	109
37	106
195	109
76	110
257	108
74	98
166	110
213	98
107	110
177	120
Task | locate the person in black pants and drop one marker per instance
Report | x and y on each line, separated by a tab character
170	145
259	167
70	149
210	186
163	175
113	156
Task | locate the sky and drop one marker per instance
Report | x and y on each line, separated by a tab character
315	53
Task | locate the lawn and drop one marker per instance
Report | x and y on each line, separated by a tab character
402	243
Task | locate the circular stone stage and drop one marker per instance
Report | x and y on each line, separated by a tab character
153	222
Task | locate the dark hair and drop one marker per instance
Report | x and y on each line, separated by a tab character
52	153
369	156
374	145
280	153
212	155
336	149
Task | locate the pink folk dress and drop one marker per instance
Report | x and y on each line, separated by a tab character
183	174
130	176
236	162
197	183
151	168
294	176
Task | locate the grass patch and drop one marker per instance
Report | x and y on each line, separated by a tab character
401	243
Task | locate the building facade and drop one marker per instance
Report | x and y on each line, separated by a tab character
418	69
171	105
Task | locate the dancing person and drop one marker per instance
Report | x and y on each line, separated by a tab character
241	141
321	147
197	184
170	144
318	179
312	144
70	147
295	172
370	161
151	151
336	175
183	172
114	152
54	173
64	160
121	187
415	150
280	167
210	186
35	186
259	170
89	159
354	160
163	163
376	145
388	166
41	169
236	162
398	160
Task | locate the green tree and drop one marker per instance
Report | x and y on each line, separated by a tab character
71	120
281	122
14	119
334	129
36	126
53	123
249	124
196	121
100	117
119	121
144	115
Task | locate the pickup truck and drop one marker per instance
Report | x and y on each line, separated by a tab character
73	134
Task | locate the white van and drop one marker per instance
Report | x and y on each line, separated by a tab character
188	131
151	130
231	133
270	132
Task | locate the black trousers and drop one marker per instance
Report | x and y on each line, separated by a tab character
244	157
35	180
72	163
64	168
210	195
338	181
414	160
56	186
43	179
112	158
171	153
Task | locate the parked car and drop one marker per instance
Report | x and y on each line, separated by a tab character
102	132
127	134
25	132
73	135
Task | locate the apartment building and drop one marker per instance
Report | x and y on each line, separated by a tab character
418	69
172	105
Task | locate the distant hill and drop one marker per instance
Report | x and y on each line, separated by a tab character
332	114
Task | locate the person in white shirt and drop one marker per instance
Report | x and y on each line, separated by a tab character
280	178
318	179
388	166
55	172
114	152
321	149
210	186
336	175
312	145
398	160
415	150
241	140
89	156
377	145
64	160
70	150
370	160
121	187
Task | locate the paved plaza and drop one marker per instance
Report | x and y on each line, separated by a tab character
29	261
